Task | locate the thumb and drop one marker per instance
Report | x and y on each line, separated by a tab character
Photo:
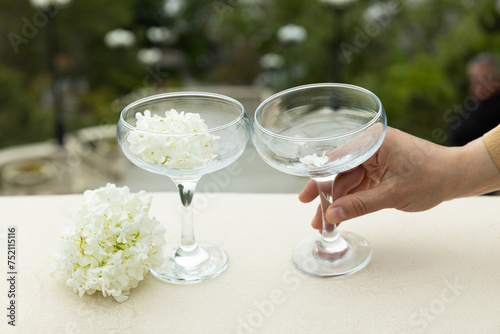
358	204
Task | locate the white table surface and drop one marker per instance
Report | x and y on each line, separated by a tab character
431	272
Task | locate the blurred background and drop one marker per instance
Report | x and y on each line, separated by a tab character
68	67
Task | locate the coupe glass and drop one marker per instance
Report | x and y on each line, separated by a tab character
227	137
319	131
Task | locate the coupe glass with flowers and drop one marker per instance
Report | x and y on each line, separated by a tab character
185	136
319	131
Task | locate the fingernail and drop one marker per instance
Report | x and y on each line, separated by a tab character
336	215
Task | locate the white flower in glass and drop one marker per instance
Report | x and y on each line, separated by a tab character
184	149
314	160
112	245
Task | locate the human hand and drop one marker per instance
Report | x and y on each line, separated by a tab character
406	173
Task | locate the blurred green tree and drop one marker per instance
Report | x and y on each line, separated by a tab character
412	54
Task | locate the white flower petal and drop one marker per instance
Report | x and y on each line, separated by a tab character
314	160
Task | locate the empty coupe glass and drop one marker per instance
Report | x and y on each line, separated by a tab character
318	131
203	133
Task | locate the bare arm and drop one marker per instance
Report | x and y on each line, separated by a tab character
409	174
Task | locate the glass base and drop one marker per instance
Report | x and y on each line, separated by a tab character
311	260
203	263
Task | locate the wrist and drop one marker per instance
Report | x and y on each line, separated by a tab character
451	169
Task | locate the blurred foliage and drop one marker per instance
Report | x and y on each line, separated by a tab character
412	55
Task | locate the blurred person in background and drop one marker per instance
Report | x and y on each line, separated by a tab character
483	112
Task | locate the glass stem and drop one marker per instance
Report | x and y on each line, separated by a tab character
329	231
331	245
186	191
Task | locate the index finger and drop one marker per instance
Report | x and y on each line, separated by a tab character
310	192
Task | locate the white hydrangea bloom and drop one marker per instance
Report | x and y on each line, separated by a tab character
113	243
185	150
314	160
